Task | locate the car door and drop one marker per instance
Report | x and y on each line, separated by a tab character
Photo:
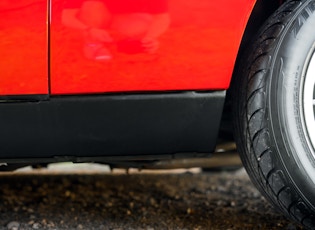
24	49
197	46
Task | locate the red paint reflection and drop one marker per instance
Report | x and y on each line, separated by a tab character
134	25
175	44
23	47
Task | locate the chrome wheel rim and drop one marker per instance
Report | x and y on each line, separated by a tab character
309	102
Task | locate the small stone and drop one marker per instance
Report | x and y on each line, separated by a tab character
30	210
153	201
31	222
51	224
13	225
67	193
80	226
44	221
36	226
190	211
219	203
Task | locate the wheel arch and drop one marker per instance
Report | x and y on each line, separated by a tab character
262	10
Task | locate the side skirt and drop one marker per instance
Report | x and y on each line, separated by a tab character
110	127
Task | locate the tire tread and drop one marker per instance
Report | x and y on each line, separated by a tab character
262	166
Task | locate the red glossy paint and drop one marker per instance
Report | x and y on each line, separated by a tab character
23	47
196	52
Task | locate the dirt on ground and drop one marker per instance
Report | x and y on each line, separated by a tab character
101	200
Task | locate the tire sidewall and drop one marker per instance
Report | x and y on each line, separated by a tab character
284	100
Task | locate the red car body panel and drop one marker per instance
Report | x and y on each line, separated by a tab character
23	47
197	52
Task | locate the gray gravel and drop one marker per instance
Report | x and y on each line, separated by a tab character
80	200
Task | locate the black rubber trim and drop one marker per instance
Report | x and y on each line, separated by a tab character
24	98
111	125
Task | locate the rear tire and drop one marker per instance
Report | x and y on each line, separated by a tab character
274	111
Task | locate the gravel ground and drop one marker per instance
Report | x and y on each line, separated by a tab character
97	199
